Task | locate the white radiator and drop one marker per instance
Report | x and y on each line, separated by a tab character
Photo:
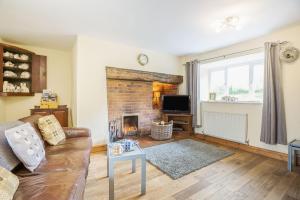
229	126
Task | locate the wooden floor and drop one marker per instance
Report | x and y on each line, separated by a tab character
241	176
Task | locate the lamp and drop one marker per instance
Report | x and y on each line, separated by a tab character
156	98
231	22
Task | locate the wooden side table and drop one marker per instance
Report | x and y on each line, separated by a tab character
137	153
182	123
61	113
293	146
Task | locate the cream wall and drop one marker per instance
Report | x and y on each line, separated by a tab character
92	57
2	111
291	86
59	79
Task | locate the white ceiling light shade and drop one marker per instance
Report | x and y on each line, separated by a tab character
229	23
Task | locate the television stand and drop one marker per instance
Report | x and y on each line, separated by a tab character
182	123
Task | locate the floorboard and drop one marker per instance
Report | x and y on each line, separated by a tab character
240	176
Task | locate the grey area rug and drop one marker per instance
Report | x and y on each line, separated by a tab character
182	157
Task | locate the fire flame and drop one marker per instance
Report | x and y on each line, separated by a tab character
130	129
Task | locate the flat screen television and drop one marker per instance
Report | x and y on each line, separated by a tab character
176	103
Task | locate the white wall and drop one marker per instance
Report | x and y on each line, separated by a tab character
291	86
91	97
59	79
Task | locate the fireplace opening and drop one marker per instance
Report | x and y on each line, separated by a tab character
130	124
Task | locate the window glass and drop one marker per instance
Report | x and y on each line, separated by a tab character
238	82
217	83
258	81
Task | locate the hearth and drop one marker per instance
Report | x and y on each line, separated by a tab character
130	124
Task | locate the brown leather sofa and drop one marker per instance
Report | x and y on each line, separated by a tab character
62	175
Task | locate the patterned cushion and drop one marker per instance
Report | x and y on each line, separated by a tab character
8	160
26	144
8	184
51	130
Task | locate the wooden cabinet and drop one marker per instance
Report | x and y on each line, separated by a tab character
39	73
182	122
23	71
61	113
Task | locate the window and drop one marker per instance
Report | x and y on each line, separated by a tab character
241	77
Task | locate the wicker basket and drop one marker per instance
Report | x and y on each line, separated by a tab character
161	132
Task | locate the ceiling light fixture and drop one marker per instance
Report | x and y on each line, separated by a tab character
229	23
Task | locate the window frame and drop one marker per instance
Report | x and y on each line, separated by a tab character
225	68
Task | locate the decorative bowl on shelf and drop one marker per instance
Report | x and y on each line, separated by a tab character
10	74
24	66
9	64
16	56
25	75
24	57
8	54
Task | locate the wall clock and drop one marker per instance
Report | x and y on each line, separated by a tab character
290	54
143	59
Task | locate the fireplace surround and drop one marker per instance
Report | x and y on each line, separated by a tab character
130	124
130	95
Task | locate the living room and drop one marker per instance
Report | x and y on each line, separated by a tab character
179	90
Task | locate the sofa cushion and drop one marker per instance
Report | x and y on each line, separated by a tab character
8	160
60	162
33	120
26	145
8	184
51	129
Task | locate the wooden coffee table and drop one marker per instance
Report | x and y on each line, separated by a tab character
137	153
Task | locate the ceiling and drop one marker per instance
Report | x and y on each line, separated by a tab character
175	26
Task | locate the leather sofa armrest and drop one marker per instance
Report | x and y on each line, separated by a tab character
76	132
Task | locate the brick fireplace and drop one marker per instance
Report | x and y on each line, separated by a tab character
132	97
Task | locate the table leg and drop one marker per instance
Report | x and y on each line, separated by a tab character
143	178
133	165
111	179
107	163
290	158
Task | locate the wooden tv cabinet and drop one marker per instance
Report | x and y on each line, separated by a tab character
182	122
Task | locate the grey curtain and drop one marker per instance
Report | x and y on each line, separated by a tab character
193	87
273	129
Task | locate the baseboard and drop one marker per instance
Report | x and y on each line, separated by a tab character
99	148
244	147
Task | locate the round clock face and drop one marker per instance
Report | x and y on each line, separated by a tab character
143	59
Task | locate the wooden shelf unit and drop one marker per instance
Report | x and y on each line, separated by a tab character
37	69
180	121
10	94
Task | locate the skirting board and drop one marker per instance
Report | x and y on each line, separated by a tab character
244	147
99	148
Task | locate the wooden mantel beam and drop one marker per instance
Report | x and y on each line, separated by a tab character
137	75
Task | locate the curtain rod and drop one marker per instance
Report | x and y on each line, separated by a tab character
235	53
231	54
